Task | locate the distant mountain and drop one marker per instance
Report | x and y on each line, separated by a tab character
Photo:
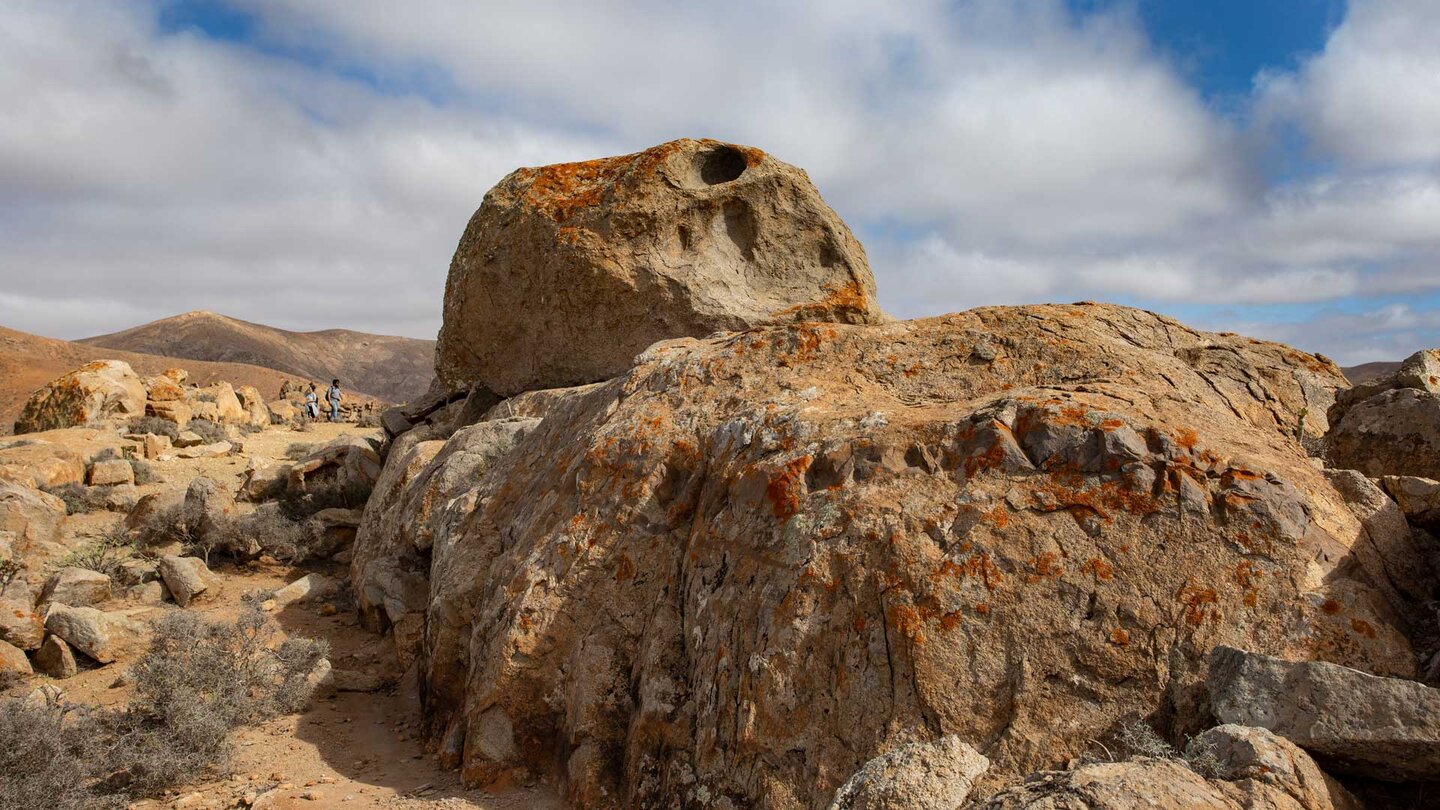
394	369
1366	372
30	361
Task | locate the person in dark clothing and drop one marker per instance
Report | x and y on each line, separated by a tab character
333	396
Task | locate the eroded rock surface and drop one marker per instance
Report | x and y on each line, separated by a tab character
752	563
96	392
567	272
1391	426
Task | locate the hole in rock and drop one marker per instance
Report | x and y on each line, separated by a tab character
720	165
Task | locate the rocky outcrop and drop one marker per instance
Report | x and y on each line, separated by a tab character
566	272
37	463
1269	769
756	561
349	462
257	413
94	393
918	776
1391	426
1353	722
30	516
217	403
1396	558
1418	498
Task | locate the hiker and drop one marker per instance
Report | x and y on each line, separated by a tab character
333	397
312	403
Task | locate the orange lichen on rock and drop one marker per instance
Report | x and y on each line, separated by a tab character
1362	627
1043	566
1101	569
1197	600
785	488
1120	637
849	297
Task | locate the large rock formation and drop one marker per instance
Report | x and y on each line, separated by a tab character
1391	425
757	561
93	393
567	272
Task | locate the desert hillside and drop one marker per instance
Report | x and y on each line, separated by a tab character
30	361
395	369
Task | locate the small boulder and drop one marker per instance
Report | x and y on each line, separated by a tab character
37	463
105	637
163	389
77	587
918	776
214	450
135	571
19	625
111	472
155	446
13	661
207	506
30	515
264	480
1160	784
348	462
1353	722
256	412
1419	499
188	438
176	411
186	577
304	589
1263	764
217	402
55	658
94	393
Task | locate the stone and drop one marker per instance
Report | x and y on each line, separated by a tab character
1395	432
1419	499
1394	556
30	516
207	504
149	593
77	587
397	527
759	559
187	578
40	464
163	389
567	272
1420	371
536	404
1154	784
95	393
1269	768
188	439
176	411
395	422
151	505
176	375
19	625
105	637
136	571
156	446
284	410
213	450
217	402
304	589
13	662
919	776
265	480
348	462
55	658
1350	721
111	472
257	413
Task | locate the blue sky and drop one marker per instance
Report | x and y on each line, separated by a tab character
1272	168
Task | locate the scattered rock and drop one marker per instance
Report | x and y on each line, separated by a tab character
55	658
1353	722
186	578
94	393
77	587
188	438
111	472
1262	765
214	450
105	637
30	516
19	625
714	237
13	662
304	589
918	776
156	446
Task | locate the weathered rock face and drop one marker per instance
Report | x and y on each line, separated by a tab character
757	561
1355	723
1391	426
77	587
19	625
218	403
93	393
37	463
1270	770
349	462
29	515
1418	498
918	776
568	271
105	637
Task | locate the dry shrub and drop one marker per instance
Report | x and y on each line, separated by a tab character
154	424
273	530
1138	739
103	555
79	500
47	756
324	495
208	431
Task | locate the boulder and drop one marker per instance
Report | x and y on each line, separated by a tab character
1419	499
176	411
40	464
1352	722
212	450
19	625
105	637
566	272
217	402
12	663
163	389
304	589
111	472
30	516
265	479
96	392
1420	371
757	559
77	587
397	523
155	446
136	571
535	404
188	438
1395	432
1269	769
284	410
186	578
1154	784
155	503
348	462
54	658
1394	556
918	776
207	507
257	413
176	375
